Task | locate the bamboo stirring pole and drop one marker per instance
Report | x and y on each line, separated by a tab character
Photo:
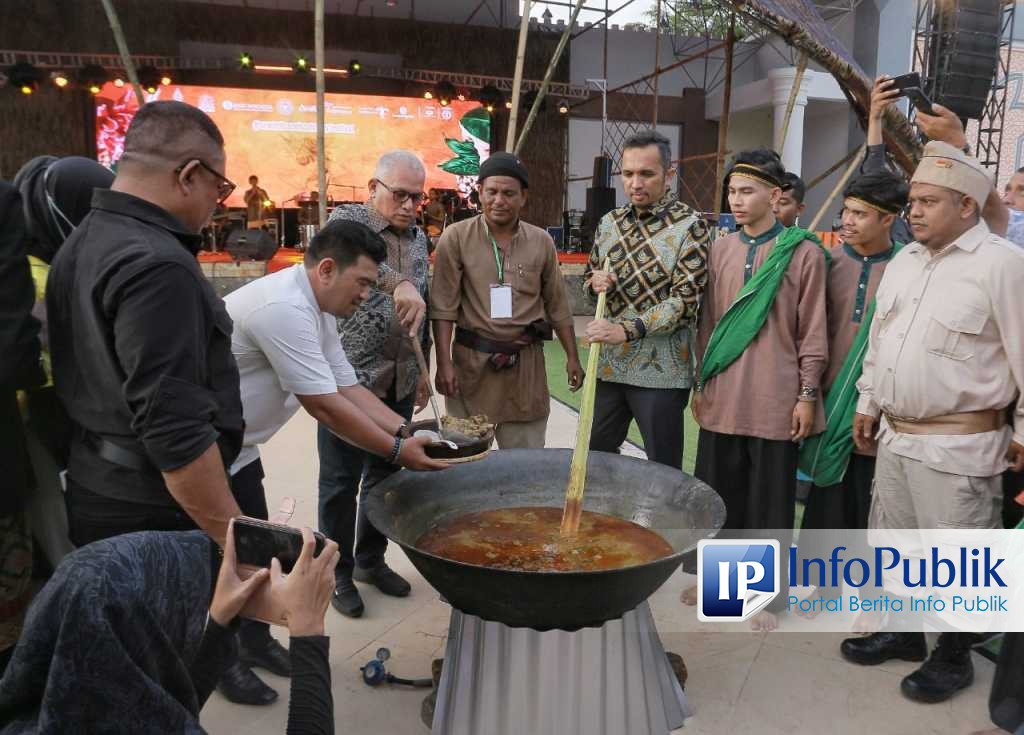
578	469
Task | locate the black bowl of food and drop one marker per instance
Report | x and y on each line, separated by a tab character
471	437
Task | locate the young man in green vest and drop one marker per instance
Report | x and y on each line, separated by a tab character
841	474
763	342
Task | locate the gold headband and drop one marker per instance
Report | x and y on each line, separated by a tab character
755	174
872	205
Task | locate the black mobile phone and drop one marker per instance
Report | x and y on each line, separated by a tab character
909	86
257	542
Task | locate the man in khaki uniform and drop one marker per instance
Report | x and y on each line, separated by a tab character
943	370
498	287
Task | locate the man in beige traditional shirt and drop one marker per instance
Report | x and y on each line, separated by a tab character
944	369
497	286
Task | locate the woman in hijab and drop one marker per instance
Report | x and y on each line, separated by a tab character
56	196
125	637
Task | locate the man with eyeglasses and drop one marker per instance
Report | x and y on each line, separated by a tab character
141	350
378	342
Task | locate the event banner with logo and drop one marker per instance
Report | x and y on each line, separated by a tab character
272	134
842	580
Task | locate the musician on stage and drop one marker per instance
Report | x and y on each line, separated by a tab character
254	200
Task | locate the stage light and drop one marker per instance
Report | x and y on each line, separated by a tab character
245	61
428	95
461	95
354	67
444	91
490	97
25	77
118	82
60	79
508	104
300	65
391	3
563	107
92	77
149	79
165	80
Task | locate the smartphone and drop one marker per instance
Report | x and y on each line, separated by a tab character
258	541
909	86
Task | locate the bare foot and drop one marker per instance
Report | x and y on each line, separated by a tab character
867	622
689	596
764	622
812	612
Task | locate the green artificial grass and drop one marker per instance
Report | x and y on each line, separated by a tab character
554	360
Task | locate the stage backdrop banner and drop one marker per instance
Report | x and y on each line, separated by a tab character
272	134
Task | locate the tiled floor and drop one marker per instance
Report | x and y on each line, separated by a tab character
739	683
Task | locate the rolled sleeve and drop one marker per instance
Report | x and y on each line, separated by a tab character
446	288
289	337
165	362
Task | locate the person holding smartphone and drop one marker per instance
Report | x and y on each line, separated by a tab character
153	590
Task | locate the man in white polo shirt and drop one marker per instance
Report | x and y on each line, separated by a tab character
289	354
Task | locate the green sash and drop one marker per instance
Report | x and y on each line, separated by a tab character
748	312
824	457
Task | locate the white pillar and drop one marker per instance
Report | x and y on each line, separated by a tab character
782	83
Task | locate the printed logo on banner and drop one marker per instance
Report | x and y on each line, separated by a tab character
207	104
735	579
446	113
284	107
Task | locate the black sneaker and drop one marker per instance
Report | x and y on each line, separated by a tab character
948	670
383	578
878	648
346	599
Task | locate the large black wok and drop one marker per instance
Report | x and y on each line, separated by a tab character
680	508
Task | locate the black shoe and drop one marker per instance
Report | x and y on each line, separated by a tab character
346	599
383	578
948	670
675	662
241	686
878	648
272	656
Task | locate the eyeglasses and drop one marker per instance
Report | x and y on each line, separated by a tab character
401	196
225	186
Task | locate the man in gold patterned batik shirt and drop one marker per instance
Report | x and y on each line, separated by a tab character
657	248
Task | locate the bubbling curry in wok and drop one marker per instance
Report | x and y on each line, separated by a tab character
528	539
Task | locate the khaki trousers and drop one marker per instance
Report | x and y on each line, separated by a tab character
510	434
909	494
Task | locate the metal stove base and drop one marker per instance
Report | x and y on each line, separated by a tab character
613	680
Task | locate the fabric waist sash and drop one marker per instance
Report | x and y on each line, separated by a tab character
952	424
533	334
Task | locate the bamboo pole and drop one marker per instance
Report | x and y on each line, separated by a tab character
573	510
723	123
321	142
517	79
122	47
838	187
794	91
657	62
555	58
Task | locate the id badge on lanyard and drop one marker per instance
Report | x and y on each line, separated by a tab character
501	293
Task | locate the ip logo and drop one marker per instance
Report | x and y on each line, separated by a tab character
735	579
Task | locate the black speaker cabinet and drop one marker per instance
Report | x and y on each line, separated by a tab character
600	201
963	55
251	245
602	172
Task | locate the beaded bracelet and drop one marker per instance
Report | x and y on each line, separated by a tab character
395	451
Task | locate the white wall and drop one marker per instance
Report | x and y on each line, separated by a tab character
585	144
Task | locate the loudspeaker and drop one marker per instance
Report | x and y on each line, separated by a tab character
963	55
600	201
602	171
251	245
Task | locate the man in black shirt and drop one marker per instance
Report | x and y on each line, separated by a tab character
141	351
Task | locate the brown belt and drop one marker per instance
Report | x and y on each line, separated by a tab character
969	422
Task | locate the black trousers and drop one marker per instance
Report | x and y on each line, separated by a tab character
756	479
846	504
658	413
1006	702
93	517
342	468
